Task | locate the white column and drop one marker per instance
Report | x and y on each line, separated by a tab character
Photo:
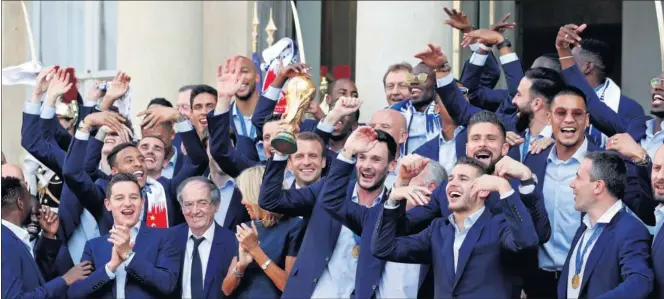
391	32
160	47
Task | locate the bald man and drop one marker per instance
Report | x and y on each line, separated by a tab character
392	122
12	170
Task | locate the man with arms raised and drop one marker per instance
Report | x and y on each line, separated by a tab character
133	260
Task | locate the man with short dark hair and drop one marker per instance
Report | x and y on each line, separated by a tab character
184	100
21	277
308	162
395	82
610	253
132	260
202	100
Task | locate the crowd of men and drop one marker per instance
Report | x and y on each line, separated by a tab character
553	187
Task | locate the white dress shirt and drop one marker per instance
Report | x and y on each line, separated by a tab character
21	233
590	228
203	251
120	274
659	220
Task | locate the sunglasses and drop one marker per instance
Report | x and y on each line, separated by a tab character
562	113
416	79
656	83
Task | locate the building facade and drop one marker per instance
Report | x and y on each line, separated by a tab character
164	45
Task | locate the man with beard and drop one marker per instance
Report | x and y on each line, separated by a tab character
395	82
21	277
246	98
644	130
534	92
327	257
420	111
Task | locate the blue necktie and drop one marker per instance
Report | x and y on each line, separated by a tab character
196	282
525	147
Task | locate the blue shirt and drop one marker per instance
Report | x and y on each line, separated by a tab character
120	274
244	127
460	235
226	196
559	204
652	141
167	172
85	231
447	150
417	130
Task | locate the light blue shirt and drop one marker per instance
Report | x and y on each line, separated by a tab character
652	141
85	231
559	204
659	220
120	274
447	150
417	130
167	172
338	278
238	119
546	132
226	196
460	235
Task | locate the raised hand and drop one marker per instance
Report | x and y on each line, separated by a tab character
228	78
410	166
538	146
111	119
414	195
484	36
78	272
433	57
294	70
244	258
118	87
94	94
343	106
361	140
569	35
315	110
503	24
247	236
509	168
514	139
485	184
44	79
59	85
458	20
121	239
157	115
49	222
625	145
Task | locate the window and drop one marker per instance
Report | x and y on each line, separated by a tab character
82	35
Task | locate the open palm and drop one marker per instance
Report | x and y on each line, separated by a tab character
433	57
228	78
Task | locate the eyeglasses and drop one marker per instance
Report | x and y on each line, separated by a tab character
562	113
416	79
203	204
463	90
656	82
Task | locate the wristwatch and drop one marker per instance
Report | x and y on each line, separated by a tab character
531	181
267	263
83	127
443	68
128	255
504	43
643	161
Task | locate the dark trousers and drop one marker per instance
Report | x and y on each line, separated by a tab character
541	284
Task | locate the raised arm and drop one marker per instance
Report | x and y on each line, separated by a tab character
292	202
413	249
518	230
334	198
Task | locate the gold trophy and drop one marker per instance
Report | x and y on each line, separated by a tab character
300	91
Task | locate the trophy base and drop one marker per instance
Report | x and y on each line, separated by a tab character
285	143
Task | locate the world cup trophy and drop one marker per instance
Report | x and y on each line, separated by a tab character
300	91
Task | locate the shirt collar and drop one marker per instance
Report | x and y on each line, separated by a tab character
468	222
606	217
441	137
21	233
650	127
208	234
578	155
600	86
660	208
355	198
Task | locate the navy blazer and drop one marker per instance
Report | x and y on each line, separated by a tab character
487	80
224	248
322	231
152	272
658	264
21	276
359	219
629	119
230	159
618	266
237	212
482	253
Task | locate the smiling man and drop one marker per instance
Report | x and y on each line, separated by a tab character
308	162
203	100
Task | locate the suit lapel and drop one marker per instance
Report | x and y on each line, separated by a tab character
26	250
602	242
213	260
448	251
658	240
469	243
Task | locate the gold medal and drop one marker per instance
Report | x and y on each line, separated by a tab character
575	281
355	252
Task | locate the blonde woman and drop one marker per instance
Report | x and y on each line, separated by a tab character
267	245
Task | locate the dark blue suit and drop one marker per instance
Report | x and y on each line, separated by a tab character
152	272
658	264
224	248
629	119
482	253
361	220
322	231
21	276
618	266
499	100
